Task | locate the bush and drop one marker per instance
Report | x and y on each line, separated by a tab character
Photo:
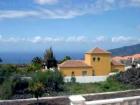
7	70
6	90
19	85
52	80
112	85
131	76
36	89
73	79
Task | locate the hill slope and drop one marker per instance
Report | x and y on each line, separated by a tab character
126	50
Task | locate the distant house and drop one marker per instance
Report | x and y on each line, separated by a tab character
97	62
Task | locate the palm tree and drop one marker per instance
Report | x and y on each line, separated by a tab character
36	89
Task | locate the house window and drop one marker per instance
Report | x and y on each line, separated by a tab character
98	58
72	73
94	59
84	73
93	73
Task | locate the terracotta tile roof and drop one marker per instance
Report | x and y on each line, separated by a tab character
97	50
74	63
116	63
118	58
136	56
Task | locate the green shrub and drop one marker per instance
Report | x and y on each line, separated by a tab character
111	84
7	70
53	80
6	90
19	84
131	77
73	79
36	89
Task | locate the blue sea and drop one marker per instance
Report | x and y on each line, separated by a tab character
24	58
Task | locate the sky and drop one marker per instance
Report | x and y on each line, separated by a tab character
68	25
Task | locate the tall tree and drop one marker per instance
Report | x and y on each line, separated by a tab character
49	59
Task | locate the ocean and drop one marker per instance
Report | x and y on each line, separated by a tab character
24	58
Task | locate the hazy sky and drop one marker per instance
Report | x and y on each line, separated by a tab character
68	25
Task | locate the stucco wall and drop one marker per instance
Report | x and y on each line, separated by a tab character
77	71
118	67
101	67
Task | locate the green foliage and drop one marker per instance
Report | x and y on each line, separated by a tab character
65	59
52	80
6	71
6	90
113	85
36	88
37	60
30	68
48	54
73	79
34	67
36	64
19	84
83	88
131	76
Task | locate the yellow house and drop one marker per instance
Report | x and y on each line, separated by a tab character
97	62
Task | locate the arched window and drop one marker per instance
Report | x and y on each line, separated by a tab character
94	59
72	73
98	58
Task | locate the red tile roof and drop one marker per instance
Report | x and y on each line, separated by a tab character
118	58
136	56
74	63
116	63
97	50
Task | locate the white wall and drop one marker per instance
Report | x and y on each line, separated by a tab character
86	79
80	100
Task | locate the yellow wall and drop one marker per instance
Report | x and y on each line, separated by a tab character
77	71
88	59
119	67
102	67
